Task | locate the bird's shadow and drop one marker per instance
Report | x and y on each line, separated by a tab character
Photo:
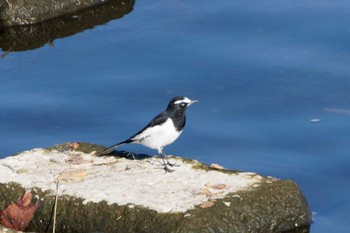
127	155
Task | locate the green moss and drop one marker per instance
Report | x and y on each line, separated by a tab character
81	146
270	206
20	171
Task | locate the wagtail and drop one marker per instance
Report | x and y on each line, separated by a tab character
162	130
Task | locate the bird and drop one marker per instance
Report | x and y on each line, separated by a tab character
162	130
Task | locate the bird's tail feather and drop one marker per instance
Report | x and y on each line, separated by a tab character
111	148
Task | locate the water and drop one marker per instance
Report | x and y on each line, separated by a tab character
262	70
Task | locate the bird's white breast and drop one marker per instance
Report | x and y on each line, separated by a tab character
158	136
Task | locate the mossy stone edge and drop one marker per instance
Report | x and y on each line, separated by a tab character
27	12
273	206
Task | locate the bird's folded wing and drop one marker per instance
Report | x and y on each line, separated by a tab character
160	119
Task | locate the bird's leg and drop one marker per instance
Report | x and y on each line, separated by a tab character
166	168
132	155
167	162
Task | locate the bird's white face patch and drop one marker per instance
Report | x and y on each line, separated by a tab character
185	101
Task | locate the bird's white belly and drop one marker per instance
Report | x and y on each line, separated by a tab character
159	136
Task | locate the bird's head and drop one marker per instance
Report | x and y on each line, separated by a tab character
180	103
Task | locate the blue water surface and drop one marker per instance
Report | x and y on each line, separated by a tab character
272	77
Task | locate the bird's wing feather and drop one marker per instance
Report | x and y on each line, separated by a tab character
157	120
160	119
111	148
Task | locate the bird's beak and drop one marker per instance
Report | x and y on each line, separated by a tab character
193	101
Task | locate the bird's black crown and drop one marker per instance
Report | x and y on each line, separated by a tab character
179	103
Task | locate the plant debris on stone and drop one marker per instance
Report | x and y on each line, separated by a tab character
18	215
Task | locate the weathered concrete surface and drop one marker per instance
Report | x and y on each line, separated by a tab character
113	194
24	12
34	36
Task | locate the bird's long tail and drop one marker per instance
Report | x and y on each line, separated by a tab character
111	148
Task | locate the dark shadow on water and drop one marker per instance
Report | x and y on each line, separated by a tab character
22	38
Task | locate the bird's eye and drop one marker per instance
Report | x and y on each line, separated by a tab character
183	105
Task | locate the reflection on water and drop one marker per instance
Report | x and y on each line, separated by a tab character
21	38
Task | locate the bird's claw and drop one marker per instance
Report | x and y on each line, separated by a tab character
167	169
172	164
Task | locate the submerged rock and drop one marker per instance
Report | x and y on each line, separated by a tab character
114	194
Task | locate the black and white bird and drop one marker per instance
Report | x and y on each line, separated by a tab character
162	130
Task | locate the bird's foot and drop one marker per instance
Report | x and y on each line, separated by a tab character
172	164
167	169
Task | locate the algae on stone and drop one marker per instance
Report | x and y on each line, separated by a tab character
264	205
36	35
